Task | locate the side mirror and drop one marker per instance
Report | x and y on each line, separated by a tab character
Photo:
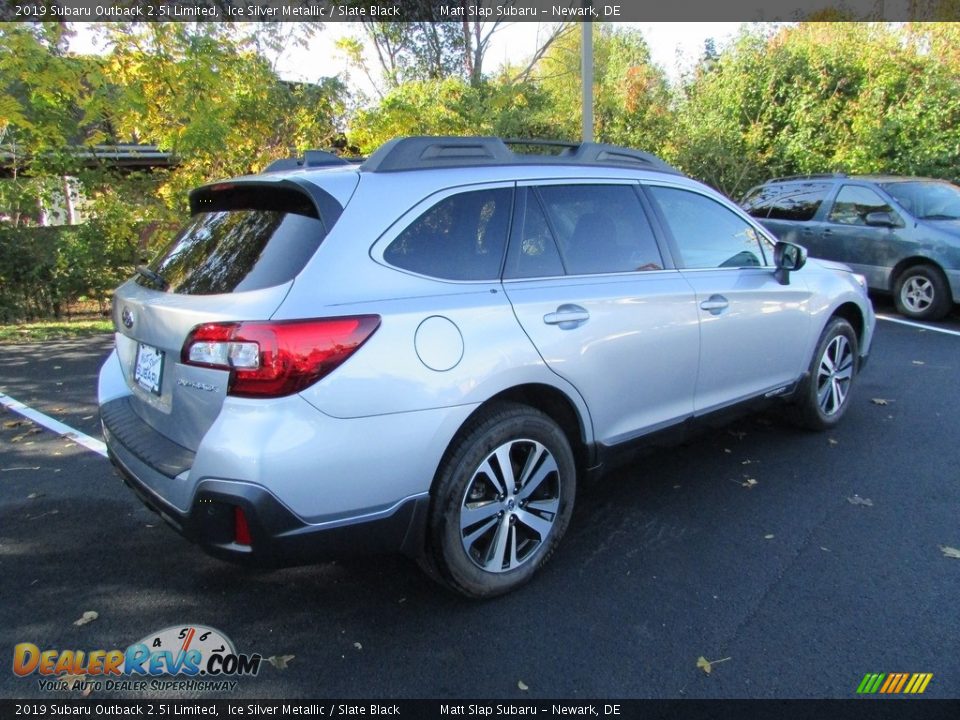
787	257
881	218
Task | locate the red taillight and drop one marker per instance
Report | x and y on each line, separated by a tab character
273	359
241	528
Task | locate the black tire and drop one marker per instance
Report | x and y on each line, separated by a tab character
479	542
921	292
824	396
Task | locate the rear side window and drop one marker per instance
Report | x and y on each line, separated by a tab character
797	202
462	237
243	239
707	234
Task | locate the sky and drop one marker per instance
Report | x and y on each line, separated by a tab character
675	46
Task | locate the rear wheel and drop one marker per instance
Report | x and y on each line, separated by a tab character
921	292
824	396
502	501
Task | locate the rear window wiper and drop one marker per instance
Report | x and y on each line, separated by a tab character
153	277
939	216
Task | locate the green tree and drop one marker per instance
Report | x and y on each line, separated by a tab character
631	96
204	94
821	97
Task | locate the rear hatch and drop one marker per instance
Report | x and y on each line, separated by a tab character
235	260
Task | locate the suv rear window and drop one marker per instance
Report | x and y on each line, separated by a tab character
796	201
246	238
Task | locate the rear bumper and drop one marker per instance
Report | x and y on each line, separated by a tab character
278	537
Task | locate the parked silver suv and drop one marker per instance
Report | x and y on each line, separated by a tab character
425	353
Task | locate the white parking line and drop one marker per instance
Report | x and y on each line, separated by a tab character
55	425
931	328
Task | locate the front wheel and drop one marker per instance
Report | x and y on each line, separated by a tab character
824	396
922	293
502	501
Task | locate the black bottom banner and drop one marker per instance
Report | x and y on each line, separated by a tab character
865	709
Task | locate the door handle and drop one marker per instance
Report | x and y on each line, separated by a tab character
567	316
715	304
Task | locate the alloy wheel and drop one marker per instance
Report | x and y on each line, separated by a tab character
834	375
917	294
510	505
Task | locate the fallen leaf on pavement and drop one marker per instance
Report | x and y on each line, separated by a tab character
28	433
832	441
88	617
749	483
15	423
879	401
280	662
857	500
919	362
950	552
707	665
34	496
768	537
358	646
522	685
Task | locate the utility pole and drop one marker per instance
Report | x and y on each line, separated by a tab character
586	76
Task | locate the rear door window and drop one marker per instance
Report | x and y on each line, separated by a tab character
600	228
243	239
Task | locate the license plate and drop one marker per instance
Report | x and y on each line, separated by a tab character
149	368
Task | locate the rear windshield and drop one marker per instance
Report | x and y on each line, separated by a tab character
244	238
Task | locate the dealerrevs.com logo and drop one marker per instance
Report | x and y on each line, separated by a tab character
181	657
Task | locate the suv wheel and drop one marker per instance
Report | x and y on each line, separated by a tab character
921	293
824	396
502	501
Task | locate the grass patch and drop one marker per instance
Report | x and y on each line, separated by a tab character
53	330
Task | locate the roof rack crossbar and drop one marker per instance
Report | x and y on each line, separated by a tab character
311	158
420	153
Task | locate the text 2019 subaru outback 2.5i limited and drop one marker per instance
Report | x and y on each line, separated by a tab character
424	353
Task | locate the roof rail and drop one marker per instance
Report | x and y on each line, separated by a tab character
814	176
421	153
311	158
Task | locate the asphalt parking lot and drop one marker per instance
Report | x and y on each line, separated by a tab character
801	561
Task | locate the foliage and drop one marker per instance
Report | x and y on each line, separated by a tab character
203	93
453	107
821	97
43	270
631	97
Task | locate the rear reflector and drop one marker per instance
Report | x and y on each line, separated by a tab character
273	359
241	528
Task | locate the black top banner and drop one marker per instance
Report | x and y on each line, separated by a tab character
474	10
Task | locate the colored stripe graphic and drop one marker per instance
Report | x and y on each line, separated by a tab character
894	683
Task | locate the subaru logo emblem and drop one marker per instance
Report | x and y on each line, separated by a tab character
127	317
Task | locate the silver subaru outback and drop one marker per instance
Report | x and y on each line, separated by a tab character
427	352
